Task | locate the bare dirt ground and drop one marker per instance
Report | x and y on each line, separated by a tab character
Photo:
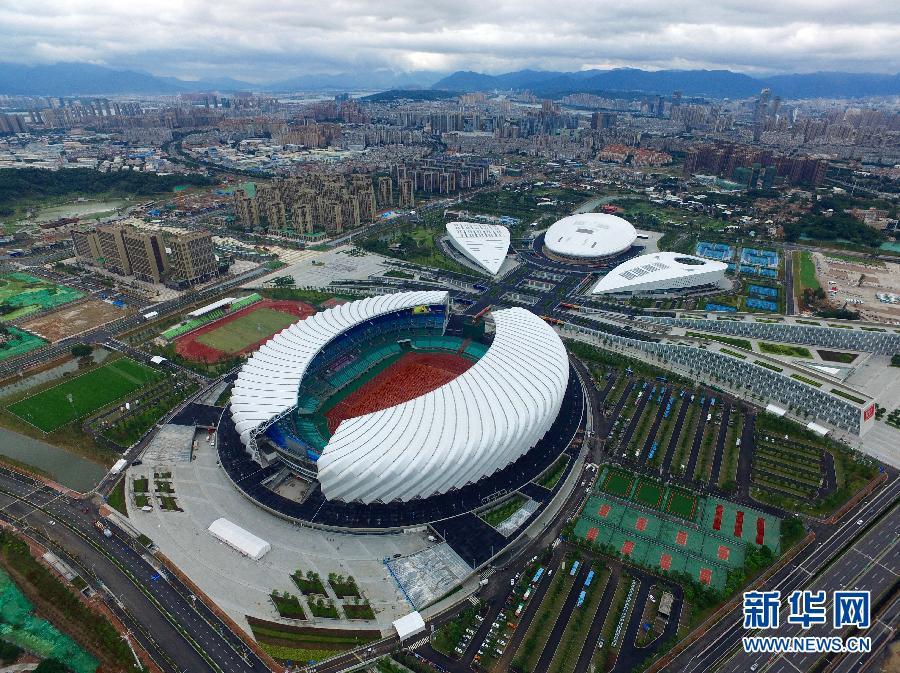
73	320
858	284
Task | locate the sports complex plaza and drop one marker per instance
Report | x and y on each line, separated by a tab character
394	413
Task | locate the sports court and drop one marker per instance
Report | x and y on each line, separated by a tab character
648	493
78	397
412	375
681	503
732	521
706	549
617	482
720	251
763	258
240	332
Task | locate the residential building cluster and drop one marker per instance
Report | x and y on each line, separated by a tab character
312	206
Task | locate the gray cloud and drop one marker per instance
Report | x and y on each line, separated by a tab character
283	38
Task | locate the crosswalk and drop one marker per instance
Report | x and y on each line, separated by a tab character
419	643
473	600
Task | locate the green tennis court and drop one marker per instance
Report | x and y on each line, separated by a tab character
618	483
649	494
682	503
79	397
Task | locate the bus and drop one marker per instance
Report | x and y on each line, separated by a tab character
574	568
589	579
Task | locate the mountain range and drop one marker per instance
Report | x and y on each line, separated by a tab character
69	79
73	79
711	83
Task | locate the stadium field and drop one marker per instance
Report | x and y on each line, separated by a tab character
618	483
682	504
235	336
411	376
76	398
241	331
649	494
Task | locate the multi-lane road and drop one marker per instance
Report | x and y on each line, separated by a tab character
175	628
717	647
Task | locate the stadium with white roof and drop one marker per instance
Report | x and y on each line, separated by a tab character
485	245
589	238
661	272
389	400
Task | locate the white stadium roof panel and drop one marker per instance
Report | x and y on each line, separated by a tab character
660	271
469	428
268	383
465	430
590	236
484	244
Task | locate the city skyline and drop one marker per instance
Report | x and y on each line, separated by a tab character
192	40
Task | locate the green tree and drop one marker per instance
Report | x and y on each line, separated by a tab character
82	350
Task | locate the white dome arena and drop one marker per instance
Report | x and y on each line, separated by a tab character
589	236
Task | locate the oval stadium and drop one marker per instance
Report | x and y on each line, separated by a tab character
588	237
391	412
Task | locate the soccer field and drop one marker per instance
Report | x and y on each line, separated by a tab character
52	408
235	336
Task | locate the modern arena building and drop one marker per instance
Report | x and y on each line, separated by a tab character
485	245
662	272
394	412
588	238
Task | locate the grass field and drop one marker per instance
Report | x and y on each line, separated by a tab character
83	395
784	349
682	504
235	336
804	272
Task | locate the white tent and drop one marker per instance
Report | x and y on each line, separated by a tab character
778	411
818	429
409	625
238	538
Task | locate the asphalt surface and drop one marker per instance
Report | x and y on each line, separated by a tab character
152	602
718	643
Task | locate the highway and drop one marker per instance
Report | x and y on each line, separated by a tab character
179	632
717	644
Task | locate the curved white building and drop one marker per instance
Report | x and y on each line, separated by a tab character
485	245
266	387
463	431
659	272
589	236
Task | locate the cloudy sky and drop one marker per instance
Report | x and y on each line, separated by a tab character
274	39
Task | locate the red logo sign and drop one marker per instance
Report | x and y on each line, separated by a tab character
868	413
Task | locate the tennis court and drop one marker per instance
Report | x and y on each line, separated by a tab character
618	483
731	521
79	397
681	503
649	494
